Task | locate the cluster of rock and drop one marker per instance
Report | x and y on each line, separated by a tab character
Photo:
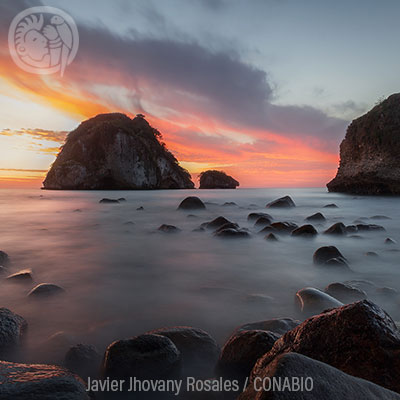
369	162
113	151
212	179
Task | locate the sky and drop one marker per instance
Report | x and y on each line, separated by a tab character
262	89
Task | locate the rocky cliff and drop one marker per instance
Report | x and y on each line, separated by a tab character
217	180
369	154
112	152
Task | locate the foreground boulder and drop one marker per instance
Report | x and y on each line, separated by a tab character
39	382
146	357
112	151
191	203
359	338
283	202
217	180
198	349
320	381
12	332
369	161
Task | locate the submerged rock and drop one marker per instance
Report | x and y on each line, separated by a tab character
145	357
312	301
83	360
4	259
280	228
109	201
256	216
345	292
271	237
198	349
215	223
305	231
112	151
337	229
389	241
369	154
283	202
332	205
232	233
212	179
44	290
23	276
324	382
262	222
241	352
369	227
326	253
39	382
278	326
359	338
168	229
12	332
317	217
191	203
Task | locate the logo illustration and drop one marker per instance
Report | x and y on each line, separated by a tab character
43	40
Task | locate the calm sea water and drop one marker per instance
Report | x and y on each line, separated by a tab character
123	280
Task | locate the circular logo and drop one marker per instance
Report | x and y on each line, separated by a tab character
43	40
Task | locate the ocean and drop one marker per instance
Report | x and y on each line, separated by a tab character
122	277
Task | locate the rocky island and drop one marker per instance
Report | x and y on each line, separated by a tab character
212	179
115	152
369	154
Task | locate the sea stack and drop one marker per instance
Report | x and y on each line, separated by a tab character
369	154
115	152
212	179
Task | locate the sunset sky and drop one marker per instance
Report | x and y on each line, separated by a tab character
263	89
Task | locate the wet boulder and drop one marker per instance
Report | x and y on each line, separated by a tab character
198	349
257	215
282	228
232	233
326	253
320	382
44	290
317	217
337	264
191	203
271	237
241	352
337	229
369	227
215	223
83	360
23	276
345	292
360	339
283	202
165	228
145	357
305	231
262	222
39	382
312	301
13	329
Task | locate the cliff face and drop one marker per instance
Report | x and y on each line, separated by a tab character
369	154
112	151
217	180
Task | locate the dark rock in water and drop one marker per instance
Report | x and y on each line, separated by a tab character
280	228
380	217
371	254
328	383
217	180
112	151
215	223
3	270
192	216
53	349
389	241
121	199
387	292
331	206
231	233
369	227
256	216
241	352
145	357
192	203
312	301
228	225
83	360
366	286
262	222
129	223
199	229
278	326
359	338
271	237
198	349
317	217
140	208
23	276
109	201
336	229
283	202
369	154
12	333
325	253
345	292
305	231
4	259
39	382
351	229
44	290
168	229
337	263
229	204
